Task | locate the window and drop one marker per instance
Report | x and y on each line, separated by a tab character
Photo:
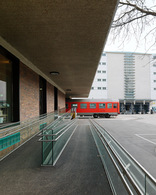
102	105
92	88
74	105
103	63
109	105
154	81
99	63
83	106
154	65
9	87
104	88
154	57
92	105
103	54
43	97
67	106
5	90
114	105
99	71
103	79
103	71
154	88
99	88
98	79
154	72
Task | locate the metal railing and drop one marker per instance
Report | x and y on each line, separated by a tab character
125	174
55	137
15	134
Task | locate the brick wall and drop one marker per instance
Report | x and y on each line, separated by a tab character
61	100
29	93
50	98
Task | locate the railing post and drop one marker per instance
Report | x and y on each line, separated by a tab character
145	184
52	148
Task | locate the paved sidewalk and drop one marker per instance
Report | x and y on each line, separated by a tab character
78	171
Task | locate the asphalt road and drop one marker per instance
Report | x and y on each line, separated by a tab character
137	134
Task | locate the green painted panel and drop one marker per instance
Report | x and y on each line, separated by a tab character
9	141
43	125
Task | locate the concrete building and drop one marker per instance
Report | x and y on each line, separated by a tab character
99	86
130	78
42	52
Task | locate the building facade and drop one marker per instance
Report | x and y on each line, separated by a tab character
99	86
24	93
130	78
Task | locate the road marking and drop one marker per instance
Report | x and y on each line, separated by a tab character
145	134
145	138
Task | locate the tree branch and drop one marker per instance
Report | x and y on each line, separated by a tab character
124	23
147	12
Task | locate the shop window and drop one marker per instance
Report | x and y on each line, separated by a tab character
5	90
9	87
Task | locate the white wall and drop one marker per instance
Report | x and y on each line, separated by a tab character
142	77
153	78
115	75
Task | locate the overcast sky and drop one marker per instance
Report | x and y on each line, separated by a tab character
131	45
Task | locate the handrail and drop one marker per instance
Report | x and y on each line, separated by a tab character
118	170
14	129
55	137
37	118
55	134
140	166
29	122
20	132
55	123
66	128
137	188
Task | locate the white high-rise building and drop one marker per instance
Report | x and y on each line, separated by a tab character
128	77
99	86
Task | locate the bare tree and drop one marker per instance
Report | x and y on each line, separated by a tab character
134	17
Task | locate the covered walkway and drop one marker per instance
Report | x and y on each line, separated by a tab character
78	171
